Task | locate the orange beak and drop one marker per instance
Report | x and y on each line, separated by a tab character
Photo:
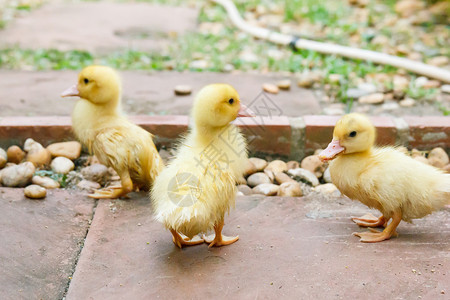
333	149
244	111
72	91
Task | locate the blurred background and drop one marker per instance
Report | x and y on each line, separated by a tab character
191	39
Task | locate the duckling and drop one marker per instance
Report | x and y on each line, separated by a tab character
99	124
400	187
192	195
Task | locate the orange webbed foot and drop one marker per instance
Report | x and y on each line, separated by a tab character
108	193
374	236
219	240
369	220
181	240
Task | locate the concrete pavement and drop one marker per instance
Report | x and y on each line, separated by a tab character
289	247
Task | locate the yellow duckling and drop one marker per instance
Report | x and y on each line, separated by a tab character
98	123
192	195
398	186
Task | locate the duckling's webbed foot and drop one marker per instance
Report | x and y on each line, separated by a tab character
115	191
108	193
181	240
369	220
218	239
373	236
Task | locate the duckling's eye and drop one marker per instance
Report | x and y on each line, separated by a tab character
86	81
352	134
231	101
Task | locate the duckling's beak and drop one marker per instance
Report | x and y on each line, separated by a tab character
72	91
244	111
333	149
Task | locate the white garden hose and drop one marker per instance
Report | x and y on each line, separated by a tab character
327	48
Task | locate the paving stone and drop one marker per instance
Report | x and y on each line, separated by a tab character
146	93
40	242
99	27
289	248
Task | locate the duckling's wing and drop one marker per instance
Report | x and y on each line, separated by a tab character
110	146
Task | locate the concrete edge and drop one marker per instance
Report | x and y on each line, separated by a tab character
290	137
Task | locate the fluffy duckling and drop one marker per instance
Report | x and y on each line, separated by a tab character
98	123
192	195
398	186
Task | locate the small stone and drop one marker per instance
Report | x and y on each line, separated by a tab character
96	172
248	56
333	111
62	165
35	192
284	84
390	106
334	78
398	94
305	81
438	61
292	164
31	144
228	68
200	64
400	83
376	98
354	93
407	102
45	182
381	40
249	169
270	174
403	150
445	88
327	176
402	49
415	152
432	84
303	175
415	56
281	178
88	185
15	154
317	151
182	90
258	178
313	164
290	189
70	150
17	175
245	189
40	157
420	81
259	163
327	189
438	158
267	189
421	159
277	166
446	168
270	88
3	158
